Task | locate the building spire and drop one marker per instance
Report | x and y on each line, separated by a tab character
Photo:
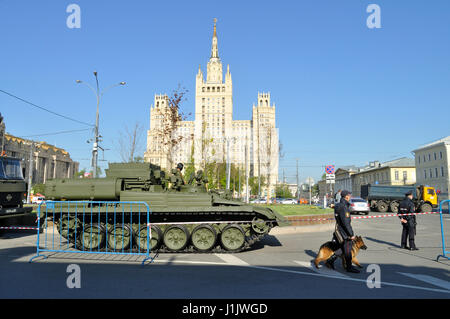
215	49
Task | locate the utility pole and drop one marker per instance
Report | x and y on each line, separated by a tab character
246	174
239	181
97	137
30	172
298	188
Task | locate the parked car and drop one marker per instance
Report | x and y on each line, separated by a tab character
259	201
37	199
289	201
359	205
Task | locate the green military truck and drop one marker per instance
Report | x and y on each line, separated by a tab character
13	193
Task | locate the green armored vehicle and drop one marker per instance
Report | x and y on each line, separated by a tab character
185	217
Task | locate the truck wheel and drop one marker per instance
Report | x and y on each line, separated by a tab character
426	208
394	207
382	206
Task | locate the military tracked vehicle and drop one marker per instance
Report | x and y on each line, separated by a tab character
185	217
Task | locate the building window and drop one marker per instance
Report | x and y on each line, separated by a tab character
435	157
396	176
436	172
429	157
418	159
405	175
442	171
425	174
431	173
440	155
424	159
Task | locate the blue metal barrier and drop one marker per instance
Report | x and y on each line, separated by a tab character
95	227
445	253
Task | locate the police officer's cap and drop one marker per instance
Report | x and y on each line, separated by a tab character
180	166
409	193
345	193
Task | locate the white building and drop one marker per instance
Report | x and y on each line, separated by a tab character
214	135
433	166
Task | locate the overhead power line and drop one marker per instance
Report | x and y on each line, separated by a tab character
56	133
46	110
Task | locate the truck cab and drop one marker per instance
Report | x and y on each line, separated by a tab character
427	197
13	189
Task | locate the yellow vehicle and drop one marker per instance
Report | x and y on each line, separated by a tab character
427	198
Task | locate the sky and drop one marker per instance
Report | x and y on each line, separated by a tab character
345	94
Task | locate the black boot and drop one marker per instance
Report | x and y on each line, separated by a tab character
330	261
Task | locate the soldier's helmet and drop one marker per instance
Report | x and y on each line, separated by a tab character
180	166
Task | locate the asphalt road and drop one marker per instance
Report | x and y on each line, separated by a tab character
278	267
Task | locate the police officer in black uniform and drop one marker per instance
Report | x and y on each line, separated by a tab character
408	221
343	220
344	227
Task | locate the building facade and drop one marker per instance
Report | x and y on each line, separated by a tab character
433	166
343	178
397	172
48	161
213	136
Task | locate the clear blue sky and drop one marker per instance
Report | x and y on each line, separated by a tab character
345	94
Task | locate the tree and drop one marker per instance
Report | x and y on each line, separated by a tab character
130	143
254	185
167	134
282	190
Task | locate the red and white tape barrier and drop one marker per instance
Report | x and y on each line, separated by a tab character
19	228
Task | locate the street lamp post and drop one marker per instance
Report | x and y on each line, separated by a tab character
95	146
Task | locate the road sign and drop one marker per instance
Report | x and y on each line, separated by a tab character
329	169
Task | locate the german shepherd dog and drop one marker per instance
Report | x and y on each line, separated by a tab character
327	250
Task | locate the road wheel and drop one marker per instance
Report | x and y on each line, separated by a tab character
141	238
68	226
176	237
382	206
203	237
232	238
119	237
93	237
426	208
259	226
394	206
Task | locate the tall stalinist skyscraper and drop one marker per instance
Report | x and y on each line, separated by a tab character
214	136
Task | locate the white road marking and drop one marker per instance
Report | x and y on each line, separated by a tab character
235	261
428	279
187	262
232	260
321	270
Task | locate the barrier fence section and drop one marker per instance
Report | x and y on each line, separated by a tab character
445	253
94	227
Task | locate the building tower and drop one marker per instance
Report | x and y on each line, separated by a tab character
213	109
265	139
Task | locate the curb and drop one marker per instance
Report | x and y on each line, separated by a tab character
301	229
305	220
